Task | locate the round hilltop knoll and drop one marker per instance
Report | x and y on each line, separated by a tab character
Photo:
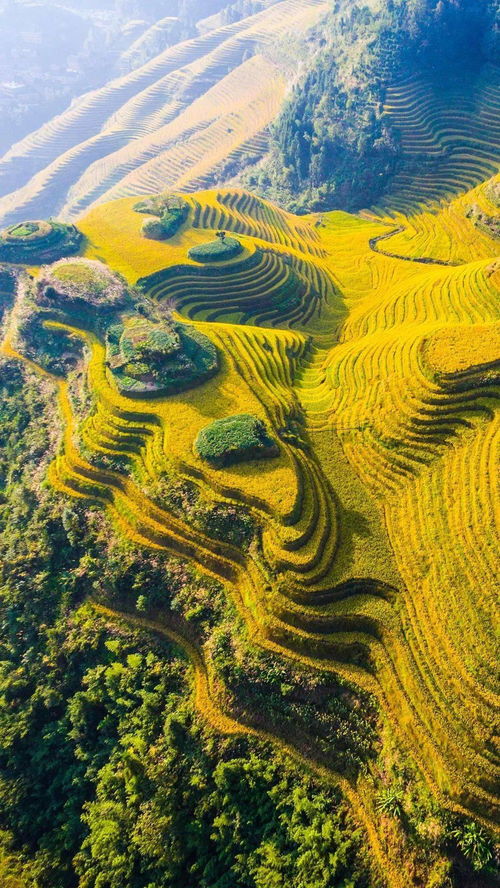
80	281
37	242
149	359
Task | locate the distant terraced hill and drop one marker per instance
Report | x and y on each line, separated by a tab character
450	137
199	112
176	122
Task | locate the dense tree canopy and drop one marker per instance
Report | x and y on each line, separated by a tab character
332	147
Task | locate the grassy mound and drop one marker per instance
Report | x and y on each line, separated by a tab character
171	212
148	359
235	439
216	250
37	242
79	292
78	282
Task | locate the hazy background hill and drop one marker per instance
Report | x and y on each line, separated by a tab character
177	100
52	52
318	105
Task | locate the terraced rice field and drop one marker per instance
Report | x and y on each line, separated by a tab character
377	371
450	136
159	126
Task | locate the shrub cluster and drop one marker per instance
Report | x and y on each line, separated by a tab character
235	439
488	224
170	212
76	291
151	359
216	250
8	280
37	242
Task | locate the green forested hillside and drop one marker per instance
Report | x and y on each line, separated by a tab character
333	145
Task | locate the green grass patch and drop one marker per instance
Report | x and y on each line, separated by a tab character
24	229
37	243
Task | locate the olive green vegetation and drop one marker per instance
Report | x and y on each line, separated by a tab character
217	250
68	291
73	283
11	871
56	351
38	242
149	359
489	224
8	283
171	211
153	229
235	439
108	776
231	523
147	353
493	193
332	147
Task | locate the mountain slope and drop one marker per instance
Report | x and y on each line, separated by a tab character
396	91
371	351
393	104
153	126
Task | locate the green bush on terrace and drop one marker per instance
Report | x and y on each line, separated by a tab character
171	211
235	439
38	242
153	229
216	250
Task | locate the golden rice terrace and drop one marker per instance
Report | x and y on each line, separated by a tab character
366	352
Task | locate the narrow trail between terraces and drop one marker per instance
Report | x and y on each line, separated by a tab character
422	260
